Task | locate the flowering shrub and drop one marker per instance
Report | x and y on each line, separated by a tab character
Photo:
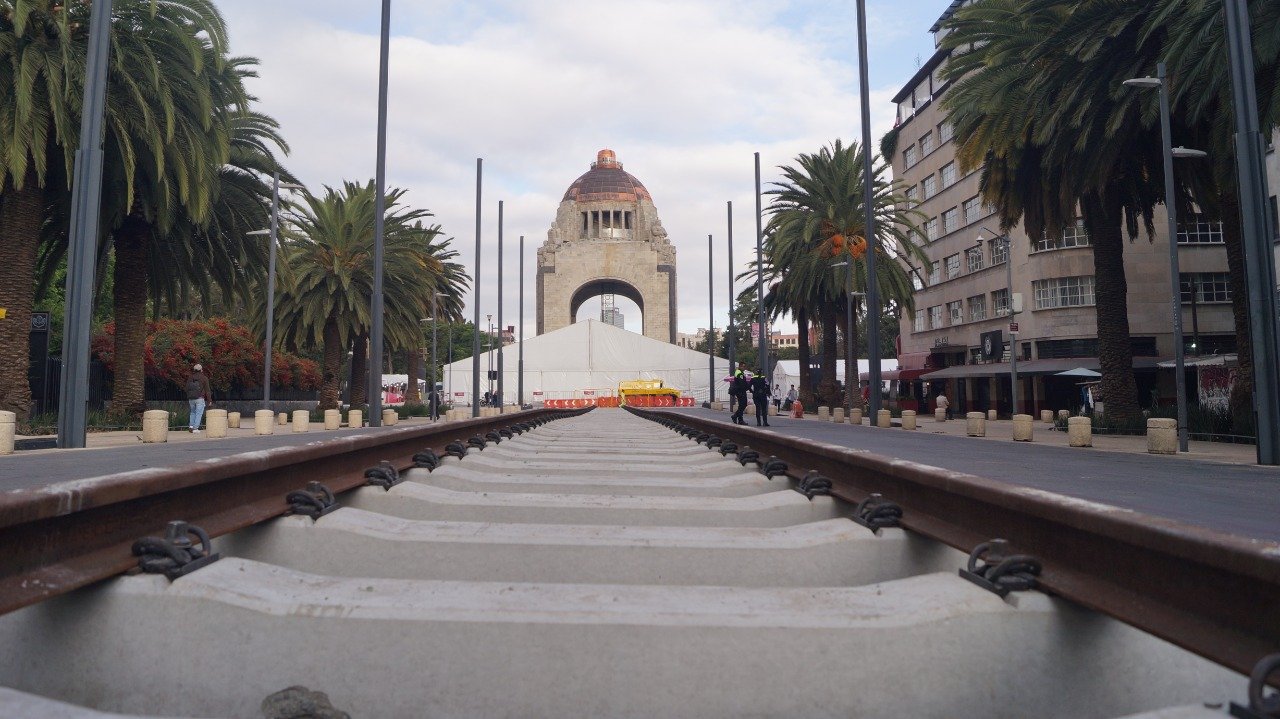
230	355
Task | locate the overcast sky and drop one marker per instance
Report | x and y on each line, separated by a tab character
683	90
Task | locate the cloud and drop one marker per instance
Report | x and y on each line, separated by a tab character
684	91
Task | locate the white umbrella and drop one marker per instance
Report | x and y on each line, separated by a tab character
1079	372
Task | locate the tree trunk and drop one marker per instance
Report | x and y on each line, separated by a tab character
21	213
1241	402
360	371
828	389
806	394
128	392
1104	221
413	360
333	349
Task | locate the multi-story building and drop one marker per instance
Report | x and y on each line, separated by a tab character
959	336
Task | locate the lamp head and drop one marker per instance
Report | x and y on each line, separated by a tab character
1144	83
259	232
1186	153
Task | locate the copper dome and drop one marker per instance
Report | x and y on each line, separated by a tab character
606	180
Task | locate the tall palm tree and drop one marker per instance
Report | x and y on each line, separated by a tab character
818	220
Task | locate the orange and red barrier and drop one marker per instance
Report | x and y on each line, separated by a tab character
636	401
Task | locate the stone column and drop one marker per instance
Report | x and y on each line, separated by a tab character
1162	435
855	416
991	415
884	418
215	421
1022	428
155	426
837	415
301	421
975	424
939	415
824	413
264	422
908	419
355	418
1080	431
233	420
282	419
1046	416
389	417
332	419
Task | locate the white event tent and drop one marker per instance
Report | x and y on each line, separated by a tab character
587	356
787	372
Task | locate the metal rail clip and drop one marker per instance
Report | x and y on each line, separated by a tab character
728	448
1001	572
456	449
1261	706
773	467
814	484
426	459
174	554
478	442
385	475
315	501
747	454
876	512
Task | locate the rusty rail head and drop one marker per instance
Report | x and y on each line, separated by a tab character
66	535
1212	593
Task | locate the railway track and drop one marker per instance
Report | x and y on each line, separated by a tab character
605	565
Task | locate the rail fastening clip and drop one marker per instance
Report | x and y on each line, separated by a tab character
174	555
994	568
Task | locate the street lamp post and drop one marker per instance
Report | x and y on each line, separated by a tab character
488	320
851	361
502	397
520	343
711	326
731	341
1013	335
1161	82
764	341
869	217
268	343
380	209
475	324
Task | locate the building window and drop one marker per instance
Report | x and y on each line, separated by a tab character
935	317
1197	230
948	174
930	186
977	308
956	312
910	156
1000	302
913	194
953	265
1207	286
916	283
926	143
1073	235
935	273
919	324
974	259
972	210
931	228
999	250
950	220
1063	292
945	131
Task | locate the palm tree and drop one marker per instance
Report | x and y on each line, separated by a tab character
817	220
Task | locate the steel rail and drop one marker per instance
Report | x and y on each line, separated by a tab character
70	534
1209	592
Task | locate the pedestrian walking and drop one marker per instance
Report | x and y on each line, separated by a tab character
792	396
760	393
199	395
738	391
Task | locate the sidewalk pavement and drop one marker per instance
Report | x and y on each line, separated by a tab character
1214	485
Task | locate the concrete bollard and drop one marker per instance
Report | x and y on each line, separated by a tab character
389	417
155	425
824	413
282	419
215	423
855	416
1064	414
717	406
991	415
264	422
1022	427
939	415
332	419
837	415
8	431
884	418
511	409
1162	436
301	421
1080	431
355	418
1046	416
773	410
908	419
975	424
233	420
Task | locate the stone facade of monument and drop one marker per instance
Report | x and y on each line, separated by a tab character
607	238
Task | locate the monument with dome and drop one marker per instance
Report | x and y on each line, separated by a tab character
607	240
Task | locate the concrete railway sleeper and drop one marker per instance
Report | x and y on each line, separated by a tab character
567	571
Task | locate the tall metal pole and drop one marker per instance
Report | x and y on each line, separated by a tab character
380	209
1013	336
711	325
1175	281
271	291
434	397
1259	263
764	341
85	206
851	361
873	284
729	333
520	345
502	396
475	335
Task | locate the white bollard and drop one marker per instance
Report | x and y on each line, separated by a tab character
991	415
1080	431
332	419
939	415
389	417
301	421
1023	427
773	410
1162	436
264	422
282	419
884	418
233	420
510	409
908	419
855	416
355	418
1064	414
215	423
837	415
155	425
824	414
717	406
8	431
1046	416
975	424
